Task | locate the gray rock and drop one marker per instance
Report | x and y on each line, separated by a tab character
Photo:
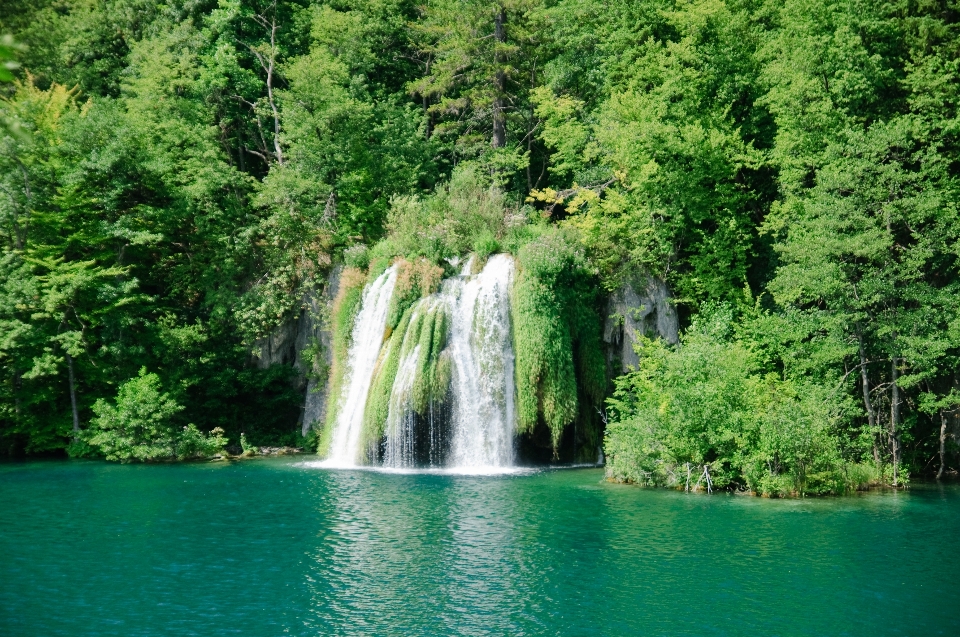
315	398
286	345
642	305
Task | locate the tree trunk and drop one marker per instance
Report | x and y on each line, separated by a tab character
427	114
499	138
894	417
277	150
73	399
867	403
268	62
17	383
943	441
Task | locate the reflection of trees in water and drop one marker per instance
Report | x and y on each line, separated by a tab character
487	579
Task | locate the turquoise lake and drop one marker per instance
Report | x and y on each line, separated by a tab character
282	547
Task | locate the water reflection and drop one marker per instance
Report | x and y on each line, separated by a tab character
377	557
446	545
486	591
276	547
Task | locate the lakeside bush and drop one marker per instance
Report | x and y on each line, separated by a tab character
139	426
708	402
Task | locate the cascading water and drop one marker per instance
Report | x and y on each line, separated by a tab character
401	421
480	419
482	352
365	342
443	385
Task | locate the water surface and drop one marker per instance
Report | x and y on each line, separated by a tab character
281	547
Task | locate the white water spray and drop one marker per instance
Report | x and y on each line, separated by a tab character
481	416
483	386
400	444
365	343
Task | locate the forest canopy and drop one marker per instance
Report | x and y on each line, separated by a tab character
176	176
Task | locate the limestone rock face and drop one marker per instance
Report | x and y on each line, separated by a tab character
286	345
641	304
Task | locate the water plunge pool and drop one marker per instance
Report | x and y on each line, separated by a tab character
282	547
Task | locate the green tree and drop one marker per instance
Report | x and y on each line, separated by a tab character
140	426
668	173
868	215
706	409
479	62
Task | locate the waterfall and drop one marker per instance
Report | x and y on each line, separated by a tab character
440	393
365	342
412	436
482	352
401	421
480	418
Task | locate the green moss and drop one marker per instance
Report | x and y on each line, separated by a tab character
432	339
415	280
560	370
591	377
442	375
545	379
423	325
378	400
345	308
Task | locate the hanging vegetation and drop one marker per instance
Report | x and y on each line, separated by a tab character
552	313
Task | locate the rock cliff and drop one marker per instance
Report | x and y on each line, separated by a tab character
642	305
303	341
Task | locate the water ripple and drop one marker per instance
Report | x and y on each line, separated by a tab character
281	547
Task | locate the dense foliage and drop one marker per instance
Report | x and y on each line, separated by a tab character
176	176
708	404
142	426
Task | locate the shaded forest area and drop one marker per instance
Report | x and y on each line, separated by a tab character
176	176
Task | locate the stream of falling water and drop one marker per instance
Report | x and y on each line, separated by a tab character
482	352
401	440
480	418
365	342
481	426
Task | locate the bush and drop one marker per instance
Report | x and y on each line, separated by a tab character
706	402
357	256
140	426
450	222
248	449
192	443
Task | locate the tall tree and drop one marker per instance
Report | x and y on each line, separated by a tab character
480	60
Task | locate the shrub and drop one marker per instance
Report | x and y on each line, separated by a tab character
140	426
450	222
357	256
706	402
248	448
192	443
